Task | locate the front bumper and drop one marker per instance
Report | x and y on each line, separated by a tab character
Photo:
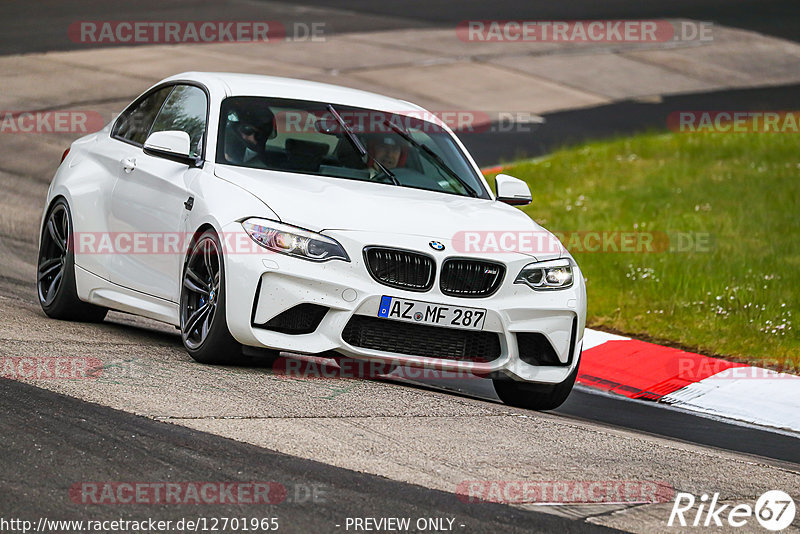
262	286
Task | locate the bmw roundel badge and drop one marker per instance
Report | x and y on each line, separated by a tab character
435	245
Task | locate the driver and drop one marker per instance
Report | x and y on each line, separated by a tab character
389	150
247	131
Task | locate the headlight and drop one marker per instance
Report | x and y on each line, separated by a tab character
294	241
547	275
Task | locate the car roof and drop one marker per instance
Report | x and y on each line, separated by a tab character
277	87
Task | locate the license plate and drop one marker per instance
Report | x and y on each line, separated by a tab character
414	311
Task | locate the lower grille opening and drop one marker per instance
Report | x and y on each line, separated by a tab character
535	349
421	340
301	319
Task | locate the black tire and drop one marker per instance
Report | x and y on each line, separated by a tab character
535	396
204	328
55	273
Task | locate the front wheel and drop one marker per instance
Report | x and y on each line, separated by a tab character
204	329
535	396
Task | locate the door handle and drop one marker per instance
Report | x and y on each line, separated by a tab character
129	165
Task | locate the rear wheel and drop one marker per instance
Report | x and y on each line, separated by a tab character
55	277
535	396
204	329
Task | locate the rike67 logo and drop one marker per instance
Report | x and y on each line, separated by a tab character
774	510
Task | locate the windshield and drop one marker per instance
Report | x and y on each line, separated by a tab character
343	142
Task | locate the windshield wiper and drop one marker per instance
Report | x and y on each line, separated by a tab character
433	155
358	146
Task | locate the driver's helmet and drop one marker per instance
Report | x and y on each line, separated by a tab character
249	126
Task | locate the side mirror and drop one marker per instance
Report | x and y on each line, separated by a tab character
173	145
512	190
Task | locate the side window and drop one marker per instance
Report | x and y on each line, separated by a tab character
185	110
135	122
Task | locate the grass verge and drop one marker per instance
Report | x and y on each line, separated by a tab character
722	212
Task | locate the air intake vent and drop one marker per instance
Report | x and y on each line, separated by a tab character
471	278
402	269
421	340
301	319
535	349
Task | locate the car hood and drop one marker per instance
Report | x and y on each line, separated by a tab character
319	203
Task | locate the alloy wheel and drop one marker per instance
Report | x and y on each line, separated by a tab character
200	295
53	254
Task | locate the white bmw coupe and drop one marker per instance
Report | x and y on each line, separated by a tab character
309	218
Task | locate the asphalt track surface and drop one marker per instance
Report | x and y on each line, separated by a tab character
566	128
780	18
60	440
38	26
586	404
51	440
